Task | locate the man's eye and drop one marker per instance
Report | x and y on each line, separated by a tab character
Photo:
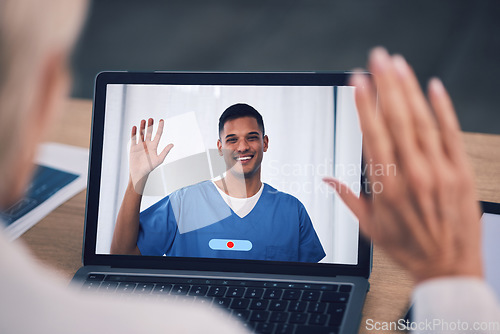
253	138
231	141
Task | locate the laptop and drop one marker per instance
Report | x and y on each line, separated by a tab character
293	261
490	245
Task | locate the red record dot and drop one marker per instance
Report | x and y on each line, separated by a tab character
230	244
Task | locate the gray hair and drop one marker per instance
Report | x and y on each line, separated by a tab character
30	31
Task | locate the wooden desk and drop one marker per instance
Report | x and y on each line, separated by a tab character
57	240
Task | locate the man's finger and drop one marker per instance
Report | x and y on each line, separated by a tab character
165	151
149	131
133	135
142	129
358	205
159	131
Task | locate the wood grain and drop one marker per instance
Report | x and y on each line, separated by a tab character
57	240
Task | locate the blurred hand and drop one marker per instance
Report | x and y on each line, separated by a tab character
144	157
425	215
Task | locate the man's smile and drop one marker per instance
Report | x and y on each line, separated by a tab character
244	159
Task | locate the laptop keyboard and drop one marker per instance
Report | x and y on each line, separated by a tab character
264	306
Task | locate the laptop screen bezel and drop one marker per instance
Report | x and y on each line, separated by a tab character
362	268
490	207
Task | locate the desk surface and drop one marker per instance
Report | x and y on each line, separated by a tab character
57	240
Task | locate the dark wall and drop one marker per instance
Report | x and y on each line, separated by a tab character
456	40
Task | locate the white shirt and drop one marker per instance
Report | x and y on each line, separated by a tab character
34	300
455	305
241	206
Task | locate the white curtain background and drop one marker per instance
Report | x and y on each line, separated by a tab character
300	123
348	153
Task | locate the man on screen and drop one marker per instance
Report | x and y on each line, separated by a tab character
236	217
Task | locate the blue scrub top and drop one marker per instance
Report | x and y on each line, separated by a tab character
195	221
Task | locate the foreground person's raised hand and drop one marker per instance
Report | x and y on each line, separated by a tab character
425	214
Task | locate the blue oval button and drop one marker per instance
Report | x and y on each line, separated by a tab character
230	244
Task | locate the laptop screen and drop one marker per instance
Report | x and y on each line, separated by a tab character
490	245
231	187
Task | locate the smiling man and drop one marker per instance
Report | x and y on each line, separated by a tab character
234	217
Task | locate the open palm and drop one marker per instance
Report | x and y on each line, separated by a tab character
144	157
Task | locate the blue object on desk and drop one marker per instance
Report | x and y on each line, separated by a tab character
46	182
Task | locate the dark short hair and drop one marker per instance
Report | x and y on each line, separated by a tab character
240	110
